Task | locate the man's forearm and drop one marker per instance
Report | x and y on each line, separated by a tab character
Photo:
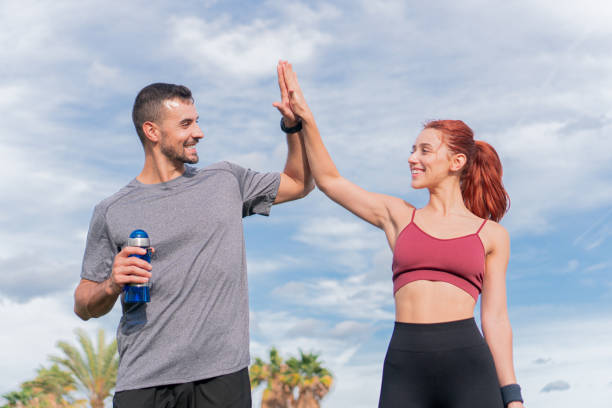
95	299
297	167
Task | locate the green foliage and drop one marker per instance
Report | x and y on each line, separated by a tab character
308	366
15	397
307	374
52	387
95	367
52	381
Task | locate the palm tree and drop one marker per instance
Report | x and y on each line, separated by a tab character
54	387
279	381
95	369
282	378
19	398
314	380
50	389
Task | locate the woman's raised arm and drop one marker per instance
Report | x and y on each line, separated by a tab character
378	209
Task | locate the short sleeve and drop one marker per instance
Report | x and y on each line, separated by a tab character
258	189
99	250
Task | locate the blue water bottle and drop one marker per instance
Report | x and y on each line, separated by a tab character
138	292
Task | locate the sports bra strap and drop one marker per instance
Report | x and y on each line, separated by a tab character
413	212
481	225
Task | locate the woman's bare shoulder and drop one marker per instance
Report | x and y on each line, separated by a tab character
496	235
398	206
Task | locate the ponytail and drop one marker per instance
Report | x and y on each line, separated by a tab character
481	184
481	181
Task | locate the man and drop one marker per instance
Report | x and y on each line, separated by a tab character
188	347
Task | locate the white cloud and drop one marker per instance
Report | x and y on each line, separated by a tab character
31	331
44	213
335	234
102	75
310	14
24	279
596	234
540	91
43	43
573	350
356	386
598	267
546	169
290	333
549	354
593	15
209	3
356	368
553	151
225	48
267	266
393	9
252	160
350	328
572	265
351	298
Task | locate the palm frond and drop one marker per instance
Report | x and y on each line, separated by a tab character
90	354
74	362
95	367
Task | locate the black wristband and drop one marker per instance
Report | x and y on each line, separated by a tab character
511	393
293	129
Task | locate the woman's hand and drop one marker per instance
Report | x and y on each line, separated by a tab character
291	93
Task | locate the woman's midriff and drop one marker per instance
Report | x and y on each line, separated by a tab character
432	302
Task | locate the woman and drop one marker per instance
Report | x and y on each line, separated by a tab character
444	255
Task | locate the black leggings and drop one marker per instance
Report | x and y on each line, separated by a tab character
440	365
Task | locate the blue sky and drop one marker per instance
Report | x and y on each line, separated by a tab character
533	78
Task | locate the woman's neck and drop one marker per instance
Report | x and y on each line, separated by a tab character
446	199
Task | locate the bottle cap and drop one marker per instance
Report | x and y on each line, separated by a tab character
139	238
139	234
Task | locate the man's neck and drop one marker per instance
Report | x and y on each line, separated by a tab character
160	171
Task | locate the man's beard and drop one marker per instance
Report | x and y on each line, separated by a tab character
178	155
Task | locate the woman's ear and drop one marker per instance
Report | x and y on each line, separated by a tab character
458	161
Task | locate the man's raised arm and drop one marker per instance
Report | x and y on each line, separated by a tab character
296	179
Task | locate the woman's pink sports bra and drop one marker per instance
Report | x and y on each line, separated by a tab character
419	256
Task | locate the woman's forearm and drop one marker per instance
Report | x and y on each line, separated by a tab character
498	334
322	166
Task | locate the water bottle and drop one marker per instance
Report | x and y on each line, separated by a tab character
138	292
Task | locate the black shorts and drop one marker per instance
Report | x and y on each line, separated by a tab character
226	391
441	365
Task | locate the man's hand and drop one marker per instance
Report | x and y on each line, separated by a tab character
95	299
129	269
283	106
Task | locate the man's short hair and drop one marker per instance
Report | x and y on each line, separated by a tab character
149	103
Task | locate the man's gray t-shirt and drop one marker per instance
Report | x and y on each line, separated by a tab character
197	323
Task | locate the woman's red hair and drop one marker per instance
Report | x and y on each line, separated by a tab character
481	180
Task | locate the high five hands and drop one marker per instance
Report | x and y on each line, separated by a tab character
292	106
